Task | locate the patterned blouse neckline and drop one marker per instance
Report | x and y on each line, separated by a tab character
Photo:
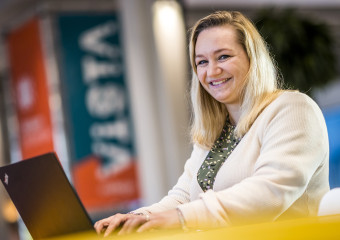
220	151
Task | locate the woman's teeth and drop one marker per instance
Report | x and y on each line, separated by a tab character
219	82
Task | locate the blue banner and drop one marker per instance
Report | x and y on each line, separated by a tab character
96	102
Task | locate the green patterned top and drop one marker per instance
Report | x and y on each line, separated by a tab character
218	154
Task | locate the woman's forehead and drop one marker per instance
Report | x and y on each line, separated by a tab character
216	38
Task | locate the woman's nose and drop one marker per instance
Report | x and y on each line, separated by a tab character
213	69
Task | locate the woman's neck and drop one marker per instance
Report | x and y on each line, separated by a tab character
234	111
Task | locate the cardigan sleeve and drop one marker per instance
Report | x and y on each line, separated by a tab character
294	144
180	193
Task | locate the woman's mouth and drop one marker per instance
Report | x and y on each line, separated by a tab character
218	82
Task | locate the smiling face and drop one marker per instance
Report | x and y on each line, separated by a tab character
222	63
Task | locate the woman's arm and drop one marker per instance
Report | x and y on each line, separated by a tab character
294	149
179	194
161	214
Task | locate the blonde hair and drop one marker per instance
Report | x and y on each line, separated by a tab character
259	90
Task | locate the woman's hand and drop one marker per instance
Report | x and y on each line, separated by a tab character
162	220
110	224
140	223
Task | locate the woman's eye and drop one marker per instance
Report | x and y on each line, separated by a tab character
223	57
202	62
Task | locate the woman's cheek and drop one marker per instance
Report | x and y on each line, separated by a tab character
200	75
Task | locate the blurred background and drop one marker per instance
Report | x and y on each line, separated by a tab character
105	85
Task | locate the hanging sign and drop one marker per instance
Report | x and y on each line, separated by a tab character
30	89
97	110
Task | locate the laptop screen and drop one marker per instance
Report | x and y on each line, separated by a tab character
44	198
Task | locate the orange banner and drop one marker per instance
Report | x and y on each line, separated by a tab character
30	91
99	188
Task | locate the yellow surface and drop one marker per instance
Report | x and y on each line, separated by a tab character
327	227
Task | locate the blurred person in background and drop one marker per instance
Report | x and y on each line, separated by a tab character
260	152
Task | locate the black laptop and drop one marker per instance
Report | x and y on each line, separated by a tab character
44	198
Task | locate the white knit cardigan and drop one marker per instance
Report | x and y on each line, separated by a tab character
278	170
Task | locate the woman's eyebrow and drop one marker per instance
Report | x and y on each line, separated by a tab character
215	52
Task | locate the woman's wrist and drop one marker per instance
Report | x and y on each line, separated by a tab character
182	220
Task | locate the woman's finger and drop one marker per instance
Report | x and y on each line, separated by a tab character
116	220
100	225
131	224
148	226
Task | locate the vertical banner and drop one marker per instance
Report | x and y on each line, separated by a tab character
30	91
96	99
332	118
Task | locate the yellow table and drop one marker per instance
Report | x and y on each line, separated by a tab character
326	227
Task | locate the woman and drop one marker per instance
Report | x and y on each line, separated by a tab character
260	153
